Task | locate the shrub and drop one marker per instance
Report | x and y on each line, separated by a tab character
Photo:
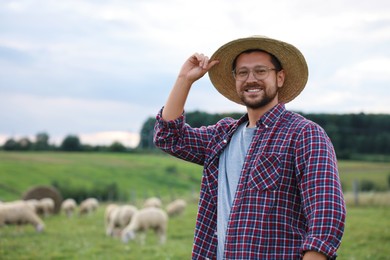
367	185
106	192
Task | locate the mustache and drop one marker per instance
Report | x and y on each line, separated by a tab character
253	85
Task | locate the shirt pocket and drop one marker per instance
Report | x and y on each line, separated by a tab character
265	175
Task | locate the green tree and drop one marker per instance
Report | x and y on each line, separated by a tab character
351	134
146	140
71	143
24	144
10	145
117	147
42	142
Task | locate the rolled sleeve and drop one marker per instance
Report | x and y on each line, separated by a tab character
322	197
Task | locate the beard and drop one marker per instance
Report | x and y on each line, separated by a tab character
268	96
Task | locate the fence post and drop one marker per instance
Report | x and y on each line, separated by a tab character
355	186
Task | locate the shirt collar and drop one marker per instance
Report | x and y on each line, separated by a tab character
268	119
272	116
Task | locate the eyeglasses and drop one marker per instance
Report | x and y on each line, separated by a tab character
259	72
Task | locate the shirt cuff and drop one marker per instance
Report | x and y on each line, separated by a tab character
315	244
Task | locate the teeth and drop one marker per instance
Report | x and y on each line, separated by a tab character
253	90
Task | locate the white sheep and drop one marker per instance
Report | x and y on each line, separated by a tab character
19	213
176	207
33	203
108	213
153	202
45	206
68	206
88	206
119	218
145	219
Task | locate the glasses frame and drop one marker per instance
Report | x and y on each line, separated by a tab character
268	69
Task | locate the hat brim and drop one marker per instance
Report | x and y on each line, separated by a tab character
291	59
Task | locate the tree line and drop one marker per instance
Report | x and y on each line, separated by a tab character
351	134
69	143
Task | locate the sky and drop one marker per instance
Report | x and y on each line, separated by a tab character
99	69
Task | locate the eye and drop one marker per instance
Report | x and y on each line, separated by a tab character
260	71
242	73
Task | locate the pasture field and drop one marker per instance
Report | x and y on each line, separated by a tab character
139	174
367	234
83	237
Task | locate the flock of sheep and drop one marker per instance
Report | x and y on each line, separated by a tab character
121	220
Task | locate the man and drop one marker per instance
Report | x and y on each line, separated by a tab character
270	186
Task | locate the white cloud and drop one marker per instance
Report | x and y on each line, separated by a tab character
371	70
105	66
107	138
69	116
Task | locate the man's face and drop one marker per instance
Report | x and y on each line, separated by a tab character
253	92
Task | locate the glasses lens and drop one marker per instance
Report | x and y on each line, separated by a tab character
259	72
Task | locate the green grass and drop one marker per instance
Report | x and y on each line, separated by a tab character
367	234
377	172
84	238
141	174
144	175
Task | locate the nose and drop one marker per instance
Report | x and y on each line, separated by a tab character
251	77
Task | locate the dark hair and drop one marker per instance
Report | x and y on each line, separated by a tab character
274	60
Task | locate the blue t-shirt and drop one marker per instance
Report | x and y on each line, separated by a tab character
230	166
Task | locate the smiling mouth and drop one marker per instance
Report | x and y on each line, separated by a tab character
253	90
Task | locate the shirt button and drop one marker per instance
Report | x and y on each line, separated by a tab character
266	126
224	141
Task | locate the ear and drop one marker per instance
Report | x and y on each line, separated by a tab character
280	76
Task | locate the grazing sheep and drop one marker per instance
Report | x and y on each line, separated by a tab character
176	207
68	206
88	206
153	202
19	213
45	207
49	204
145	219
108	213
34	204
119	218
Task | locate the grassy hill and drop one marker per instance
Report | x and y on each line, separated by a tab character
136	175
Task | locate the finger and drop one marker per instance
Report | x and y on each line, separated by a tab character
201	59
212	64
205	62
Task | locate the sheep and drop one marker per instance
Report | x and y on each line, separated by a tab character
68	206
34	204
145	219
176	207
153	202
19	213
45	207
88	206
49	205
108	212
119	218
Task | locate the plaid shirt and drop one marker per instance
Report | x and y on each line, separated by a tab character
288	199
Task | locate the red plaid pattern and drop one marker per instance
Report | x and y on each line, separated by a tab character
289	198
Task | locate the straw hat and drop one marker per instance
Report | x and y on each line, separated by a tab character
291	58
